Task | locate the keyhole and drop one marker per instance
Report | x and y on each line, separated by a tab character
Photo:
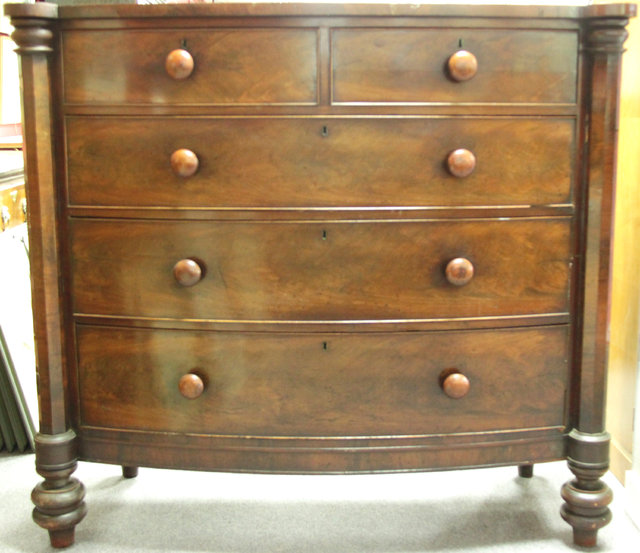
459	43
325	131
183	43
324	234
325	346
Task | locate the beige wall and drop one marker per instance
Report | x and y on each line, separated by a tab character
623	353
623	361
10	85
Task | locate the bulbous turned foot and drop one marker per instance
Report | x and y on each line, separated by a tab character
58	500
586	510
587	498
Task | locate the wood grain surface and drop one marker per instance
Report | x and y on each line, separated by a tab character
408	65
349	162
320	270
233	66
262	384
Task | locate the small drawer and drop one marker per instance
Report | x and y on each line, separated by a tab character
320	271
286	384
416	66
169	67
325	162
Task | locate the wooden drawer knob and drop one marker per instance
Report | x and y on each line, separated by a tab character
459	271
184	163
461	163
187	272
455	385
179	64
191	386
462	66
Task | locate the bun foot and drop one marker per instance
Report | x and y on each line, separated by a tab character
62	538
587	498
129	472
525	471
59	498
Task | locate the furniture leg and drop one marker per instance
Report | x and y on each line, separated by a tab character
525	471
587	497
129	471
58	500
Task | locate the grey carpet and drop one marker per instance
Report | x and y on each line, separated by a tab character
481	511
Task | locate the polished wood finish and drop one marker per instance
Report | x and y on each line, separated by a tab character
317	217
462	66
248	66
321	384
319	161
320	271
412	66
59	499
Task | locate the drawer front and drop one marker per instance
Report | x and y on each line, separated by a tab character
230	66
265	384
271	162
410	66
319	270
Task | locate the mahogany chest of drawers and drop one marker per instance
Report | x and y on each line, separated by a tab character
320	239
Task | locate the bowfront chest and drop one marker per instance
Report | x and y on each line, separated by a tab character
320	239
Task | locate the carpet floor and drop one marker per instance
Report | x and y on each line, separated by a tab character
480	511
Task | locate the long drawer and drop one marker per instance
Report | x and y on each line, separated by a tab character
287	384
328	270
343	162
231	66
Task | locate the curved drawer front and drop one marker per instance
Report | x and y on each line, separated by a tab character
230	66
265	384
410	66
319	270
343	162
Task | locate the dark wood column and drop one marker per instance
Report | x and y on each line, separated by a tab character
59	498
587	497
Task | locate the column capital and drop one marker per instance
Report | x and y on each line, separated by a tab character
33	24
606	35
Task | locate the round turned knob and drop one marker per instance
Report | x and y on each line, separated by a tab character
461	162
459	271
179	64
191	386
455	385
462	66
187	272
184	163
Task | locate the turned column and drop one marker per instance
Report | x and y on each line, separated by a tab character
58	499
587	497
